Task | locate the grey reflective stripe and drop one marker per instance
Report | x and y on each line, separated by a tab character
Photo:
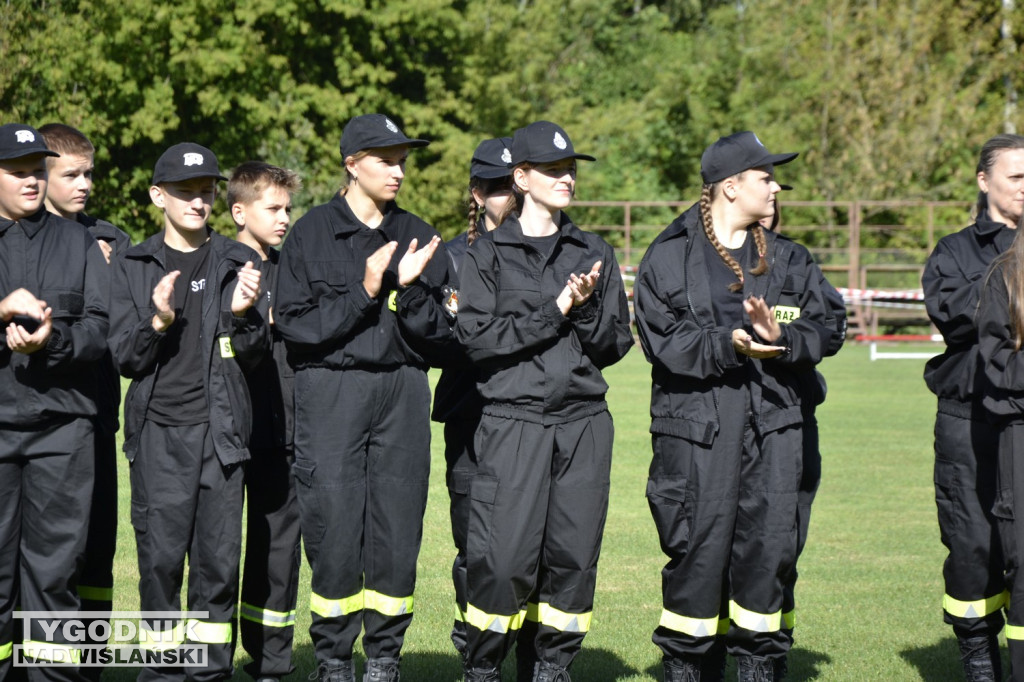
277	619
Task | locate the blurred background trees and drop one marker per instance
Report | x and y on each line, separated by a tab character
883	99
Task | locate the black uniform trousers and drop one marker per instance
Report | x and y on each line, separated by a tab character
726	516
45	489
538	506
96	583
273	554
362	463
1009	490
460	461
185	504
965	490
810	479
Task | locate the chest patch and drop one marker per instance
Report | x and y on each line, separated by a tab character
784	314
226	349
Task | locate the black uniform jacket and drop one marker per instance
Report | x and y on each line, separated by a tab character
229	341
323	311
456	395
59	262
953	278
691	355
108	382
1002	387
535	363
272	380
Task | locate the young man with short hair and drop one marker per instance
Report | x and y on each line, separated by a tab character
67	192
260	200
183	326
54	286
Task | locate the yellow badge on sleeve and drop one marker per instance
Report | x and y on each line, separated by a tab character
784	314
226	349
393	301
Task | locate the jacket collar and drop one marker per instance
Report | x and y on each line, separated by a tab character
987	227
511	231
346	221
31	224
222	247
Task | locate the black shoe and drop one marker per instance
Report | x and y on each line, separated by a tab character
549	672
381	670
482	675
980	656
755	669
678	670
334	670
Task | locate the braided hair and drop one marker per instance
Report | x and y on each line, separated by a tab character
707	193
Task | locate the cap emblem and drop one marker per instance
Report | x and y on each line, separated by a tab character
24	136
390	126
559	141
506	155
193	159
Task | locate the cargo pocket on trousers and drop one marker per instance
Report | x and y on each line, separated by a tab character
672	513
483	491
138	516
311	519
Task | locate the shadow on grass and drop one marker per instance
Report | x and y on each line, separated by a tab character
803	665
940	662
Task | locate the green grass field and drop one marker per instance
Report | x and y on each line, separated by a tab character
868	600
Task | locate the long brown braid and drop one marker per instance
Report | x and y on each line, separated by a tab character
474	217
759	241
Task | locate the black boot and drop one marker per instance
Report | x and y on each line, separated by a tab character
482	675
334	670
678	670
781	668
381	670
755	669
549	672
980	656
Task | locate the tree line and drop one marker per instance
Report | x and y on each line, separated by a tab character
883	100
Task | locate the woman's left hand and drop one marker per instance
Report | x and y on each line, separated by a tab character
762	318
582	286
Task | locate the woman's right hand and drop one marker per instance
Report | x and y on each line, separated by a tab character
745	344
376	265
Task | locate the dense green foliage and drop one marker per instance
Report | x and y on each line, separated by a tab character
885	100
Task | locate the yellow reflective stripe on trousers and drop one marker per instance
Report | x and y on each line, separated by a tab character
54	653
789	619
206	632
6	650
389	606
695	627
546	614
96	593
1015	632
754	621
162	640
334	608
974	609
490	622
273	619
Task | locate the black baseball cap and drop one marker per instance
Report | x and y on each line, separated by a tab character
18	140
492	159
736	153
184	161
543	142
371	131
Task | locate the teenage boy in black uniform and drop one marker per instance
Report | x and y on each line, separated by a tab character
183	323
360	309
54	285
259	197
67	193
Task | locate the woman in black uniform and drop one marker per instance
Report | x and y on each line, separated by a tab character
457	403
965	442
731	317
360	309
542	310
